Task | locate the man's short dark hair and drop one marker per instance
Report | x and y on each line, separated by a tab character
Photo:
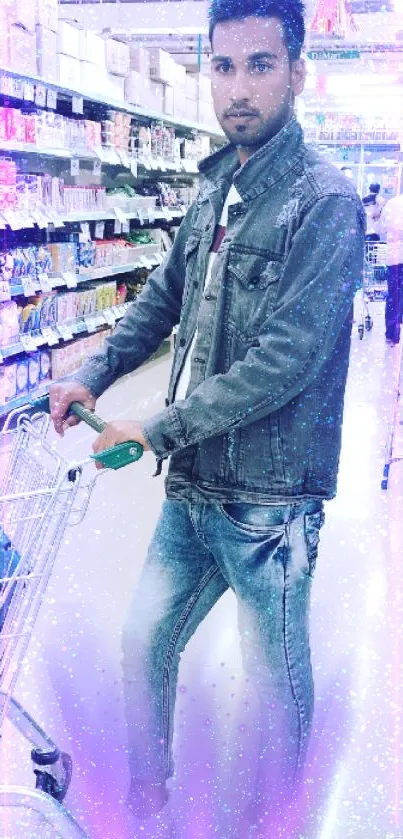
375	188
289	12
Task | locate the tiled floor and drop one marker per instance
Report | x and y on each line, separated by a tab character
71	680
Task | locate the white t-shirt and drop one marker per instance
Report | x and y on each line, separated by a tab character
233	197
392	224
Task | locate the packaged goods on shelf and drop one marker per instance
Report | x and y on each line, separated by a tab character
47	13
117	57
94	79
92	49
45	365
64	257
9	324
168	106
162	66
134	87
204	88
140	61
68	40
69	72
8	183
46	52
115	87
68	359
34	370
22	50
8	380
22	377
23	13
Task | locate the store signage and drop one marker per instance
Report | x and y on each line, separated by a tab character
333	55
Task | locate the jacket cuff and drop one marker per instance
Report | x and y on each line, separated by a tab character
95	374
164	433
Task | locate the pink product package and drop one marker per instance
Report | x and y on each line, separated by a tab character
9	325
8	183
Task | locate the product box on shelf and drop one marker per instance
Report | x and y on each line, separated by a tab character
9	382
46	53
23	13
117	57
94	79
140	61
204	88
191	86
191	110
68	42
207	115
22	50
34	370
92	49
69	72
168	105
134	87
115	87
47	13
162	66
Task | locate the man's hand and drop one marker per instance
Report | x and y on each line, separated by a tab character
123	431
61	396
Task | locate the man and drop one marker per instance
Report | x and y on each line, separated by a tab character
392	225
261	279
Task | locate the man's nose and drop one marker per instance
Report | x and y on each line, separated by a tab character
241	88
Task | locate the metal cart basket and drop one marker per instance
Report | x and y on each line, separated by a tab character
41	495
374	283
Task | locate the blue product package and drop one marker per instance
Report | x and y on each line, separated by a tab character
9	561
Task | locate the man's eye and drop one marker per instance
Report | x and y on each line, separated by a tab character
261	67
225	67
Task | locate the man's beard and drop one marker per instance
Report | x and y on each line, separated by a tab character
244	137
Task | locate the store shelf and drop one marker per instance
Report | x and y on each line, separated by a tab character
20	401
117	105
148	257
24	220
54	336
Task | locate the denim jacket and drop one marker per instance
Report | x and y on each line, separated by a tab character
262	417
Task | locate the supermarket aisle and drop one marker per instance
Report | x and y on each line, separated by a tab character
71	682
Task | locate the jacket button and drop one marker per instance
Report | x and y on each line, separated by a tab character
167	403
254	280
182	342
196	285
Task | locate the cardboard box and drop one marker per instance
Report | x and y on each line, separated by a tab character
168	103
22	50
140	61
133	87
162	66
117	57
46	53
47	14
92	49
207	115
115	88
191	87
69	72
68	42
191	110
204	88
23	13
93	78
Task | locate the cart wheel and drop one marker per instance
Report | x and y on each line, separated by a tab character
368	323
361	331
55	775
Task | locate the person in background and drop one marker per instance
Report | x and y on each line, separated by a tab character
261	279
373	204
392	226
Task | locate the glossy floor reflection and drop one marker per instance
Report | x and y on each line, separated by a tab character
71	679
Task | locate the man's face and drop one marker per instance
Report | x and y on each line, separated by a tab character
254	84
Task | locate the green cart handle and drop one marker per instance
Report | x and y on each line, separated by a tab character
114	458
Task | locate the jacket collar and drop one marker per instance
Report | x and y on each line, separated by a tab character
263	169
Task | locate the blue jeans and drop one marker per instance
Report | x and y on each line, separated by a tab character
267	556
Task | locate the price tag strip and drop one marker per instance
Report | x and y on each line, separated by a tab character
66	332
45	282
110	317
120	215
90	323
77	105
29	286
70	279
28	343
50	335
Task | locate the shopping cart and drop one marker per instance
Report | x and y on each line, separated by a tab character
41	495
374	283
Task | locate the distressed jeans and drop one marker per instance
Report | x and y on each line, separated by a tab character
267	556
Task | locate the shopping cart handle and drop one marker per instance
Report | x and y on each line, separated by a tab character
113	458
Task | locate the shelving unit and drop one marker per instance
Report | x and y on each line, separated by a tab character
41	224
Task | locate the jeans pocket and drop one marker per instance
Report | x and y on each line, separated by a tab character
312	525
256	518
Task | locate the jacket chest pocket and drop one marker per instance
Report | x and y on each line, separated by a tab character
253	286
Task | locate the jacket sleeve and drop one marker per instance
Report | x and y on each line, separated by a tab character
320	277
147	322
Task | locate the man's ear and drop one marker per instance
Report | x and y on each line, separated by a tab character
298	76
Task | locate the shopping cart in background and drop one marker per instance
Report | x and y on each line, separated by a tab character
374	285
41	495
